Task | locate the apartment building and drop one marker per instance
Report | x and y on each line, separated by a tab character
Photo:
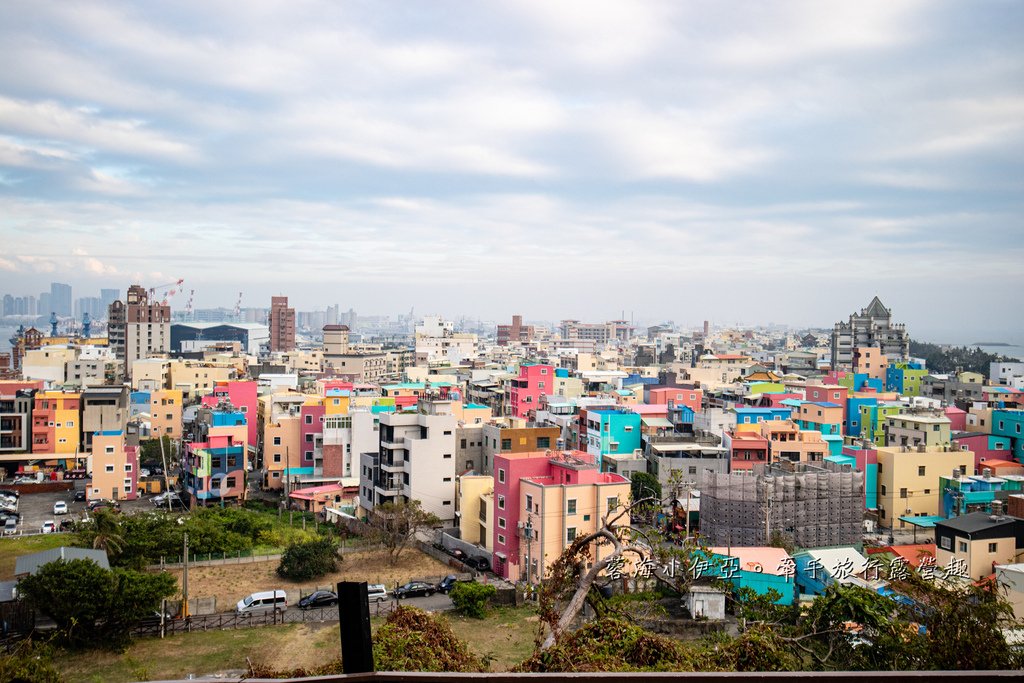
113	466
165	412
979	541
282	325
56	422
215	465
871	327
518	438
917	429
415	460
909	481
103	409
138	327
524	391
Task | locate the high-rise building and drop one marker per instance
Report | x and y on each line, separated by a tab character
107	297
60	299
282	325
43	307
138	328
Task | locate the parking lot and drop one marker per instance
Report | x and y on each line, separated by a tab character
36	508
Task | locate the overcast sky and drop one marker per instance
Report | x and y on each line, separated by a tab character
738	161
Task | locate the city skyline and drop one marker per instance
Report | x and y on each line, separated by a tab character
788	161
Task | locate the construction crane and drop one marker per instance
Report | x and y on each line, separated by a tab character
238	308
188	306
171	287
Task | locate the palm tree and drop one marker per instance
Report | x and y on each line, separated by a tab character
107	532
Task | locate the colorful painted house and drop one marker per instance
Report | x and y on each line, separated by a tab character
905	378
243	396
987	448
215	468
754	416
759	568
524	392
872	421
609	430
114	468
1006	423
56	422
823	417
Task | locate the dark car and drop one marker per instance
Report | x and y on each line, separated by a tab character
80	496
478	563
111	505
447	583
318	599
415	589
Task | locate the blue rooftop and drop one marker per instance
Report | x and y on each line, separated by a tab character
109	432
825	404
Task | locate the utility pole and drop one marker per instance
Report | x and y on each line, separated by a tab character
167	481
528	532
184	583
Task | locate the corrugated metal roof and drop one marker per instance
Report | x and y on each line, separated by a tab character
30	564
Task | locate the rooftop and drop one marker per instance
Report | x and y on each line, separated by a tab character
973	522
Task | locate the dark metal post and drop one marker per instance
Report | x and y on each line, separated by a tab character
354	621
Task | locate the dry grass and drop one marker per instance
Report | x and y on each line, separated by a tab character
13	548
505	638
231	582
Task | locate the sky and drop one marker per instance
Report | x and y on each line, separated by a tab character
751	162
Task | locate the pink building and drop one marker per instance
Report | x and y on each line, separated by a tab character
957	419
509	470
987	448
829	393
311	430
686	396
524	391
243	396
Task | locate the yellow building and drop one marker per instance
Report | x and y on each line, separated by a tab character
908	429
568	503
165	412
908	481
978	542
196	379
56	422
282	449
475	493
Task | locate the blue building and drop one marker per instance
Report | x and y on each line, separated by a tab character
750	416
853	405
1010	423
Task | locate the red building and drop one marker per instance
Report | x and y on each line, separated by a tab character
746	449
524	392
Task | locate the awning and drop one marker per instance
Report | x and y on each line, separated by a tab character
500	556
656	422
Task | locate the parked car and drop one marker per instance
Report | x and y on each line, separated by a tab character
318	599
60	508
415	589
265	601
447	583
10	493
80	496
48	527
66	525
478	563
376	592
10	526
108	504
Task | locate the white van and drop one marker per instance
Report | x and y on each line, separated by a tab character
265	601
376	592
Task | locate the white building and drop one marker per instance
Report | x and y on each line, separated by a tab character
415	460
436	340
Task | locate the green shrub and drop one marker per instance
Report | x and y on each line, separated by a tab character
413	640
471	598
29	662
308	560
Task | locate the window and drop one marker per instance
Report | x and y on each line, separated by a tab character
447	456
277	457
529	502
927	492
501	476
613	503
230	482
447	479
993	547
309	438
109	468
920	470
447	432
501	540
501	522
506	444
946	543
276	475
571	506
962	546
903	493
570	534
309	454
447	502
277	441
108	449
693	469
883	489
462	443
501	502
128	467
543	442
586	518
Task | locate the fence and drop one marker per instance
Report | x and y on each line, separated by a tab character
211	559
226	621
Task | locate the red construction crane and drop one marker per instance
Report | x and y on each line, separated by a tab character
171	287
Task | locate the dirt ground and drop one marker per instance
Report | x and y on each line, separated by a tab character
229	583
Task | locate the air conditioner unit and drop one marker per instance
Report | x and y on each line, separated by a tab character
907	511
521	525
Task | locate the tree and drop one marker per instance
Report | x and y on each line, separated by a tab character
394	525
102	532
471	598
91	604
29	662
643	485
413	640
309	560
